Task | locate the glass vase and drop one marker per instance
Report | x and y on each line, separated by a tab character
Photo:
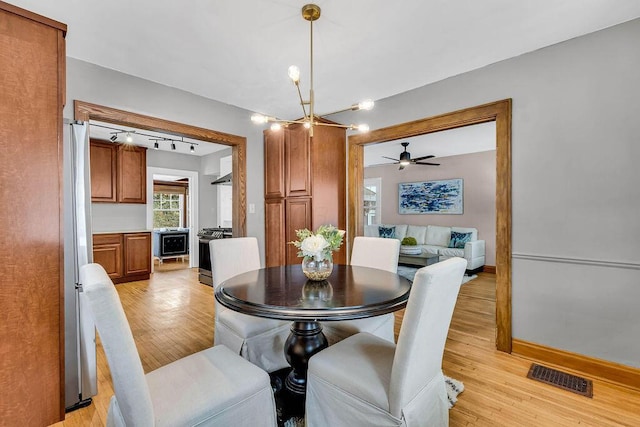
317	269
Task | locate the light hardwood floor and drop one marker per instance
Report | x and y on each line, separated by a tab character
171	315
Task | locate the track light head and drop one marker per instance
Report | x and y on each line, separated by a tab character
113	137
192	148
173	146
129	138
156	145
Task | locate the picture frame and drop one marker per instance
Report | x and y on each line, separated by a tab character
431	197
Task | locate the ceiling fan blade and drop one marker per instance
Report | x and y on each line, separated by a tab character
417	159
426	163
395	160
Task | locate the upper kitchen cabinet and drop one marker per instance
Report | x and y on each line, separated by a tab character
103	157
118	173
132	174
32	88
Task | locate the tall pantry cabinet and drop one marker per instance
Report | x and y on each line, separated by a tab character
32	88
305	187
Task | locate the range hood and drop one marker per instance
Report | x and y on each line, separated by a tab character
223	180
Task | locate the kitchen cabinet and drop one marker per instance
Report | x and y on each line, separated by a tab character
305	187
32	72
118	172
126	257
103	160
108	252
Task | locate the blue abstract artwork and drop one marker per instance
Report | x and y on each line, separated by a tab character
431	197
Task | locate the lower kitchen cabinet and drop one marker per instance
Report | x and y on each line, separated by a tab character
125	256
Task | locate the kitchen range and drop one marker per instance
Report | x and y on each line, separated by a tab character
204	265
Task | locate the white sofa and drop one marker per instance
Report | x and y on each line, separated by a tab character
436	240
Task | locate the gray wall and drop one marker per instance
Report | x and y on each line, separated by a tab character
478	171
209	171
90	83
576	192
576	198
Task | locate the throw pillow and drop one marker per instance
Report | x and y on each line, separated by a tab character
459	239
387	232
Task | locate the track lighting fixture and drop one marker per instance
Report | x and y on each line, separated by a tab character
311	12
154	138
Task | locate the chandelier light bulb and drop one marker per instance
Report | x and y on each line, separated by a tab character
294	74
276	126
306	125
367	104
259	119
364	128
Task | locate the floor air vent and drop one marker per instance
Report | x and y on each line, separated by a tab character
562	380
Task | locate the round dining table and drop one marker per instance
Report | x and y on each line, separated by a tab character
285	293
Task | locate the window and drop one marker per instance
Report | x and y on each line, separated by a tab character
168	210
372	192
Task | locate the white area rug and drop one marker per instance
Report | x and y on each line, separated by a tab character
410	272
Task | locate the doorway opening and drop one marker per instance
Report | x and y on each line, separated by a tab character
498	112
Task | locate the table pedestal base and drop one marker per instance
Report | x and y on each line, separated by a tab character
305	340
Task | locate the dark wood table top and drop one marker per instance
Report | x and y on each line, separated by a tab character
285	293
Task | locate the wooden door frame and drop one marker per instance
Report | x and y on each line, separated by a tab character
85	111
500	112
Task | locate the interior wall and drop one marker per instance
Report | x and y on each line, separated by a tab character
575	192
91	83
209	171
478	172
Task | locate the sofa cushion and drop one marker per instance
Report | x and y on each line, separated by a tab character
430	249
473	231
419	232
452	252
387	232
371	231
458	240
438	236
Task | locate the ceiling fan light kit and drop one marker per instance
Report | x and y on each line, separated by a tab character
406	160
311	13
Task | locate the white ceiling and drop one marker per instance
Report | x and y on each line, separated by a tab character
238	52
464	140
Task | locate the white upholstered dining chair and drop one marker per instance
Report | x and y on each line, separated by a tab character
367	381
259	340
374	252
210	388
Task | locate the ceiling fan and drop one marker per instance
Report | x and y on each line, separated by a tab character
406	160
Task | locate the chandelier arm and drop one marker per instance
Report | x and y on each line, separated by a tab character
335	125
302	103
337	111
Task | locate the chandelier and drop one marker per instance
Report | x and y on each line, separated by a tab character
311	12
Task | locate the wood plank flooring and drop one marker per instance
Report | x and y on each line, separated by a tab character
171	316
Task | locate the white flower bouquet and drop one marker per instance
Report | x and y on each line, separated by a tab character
319	245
